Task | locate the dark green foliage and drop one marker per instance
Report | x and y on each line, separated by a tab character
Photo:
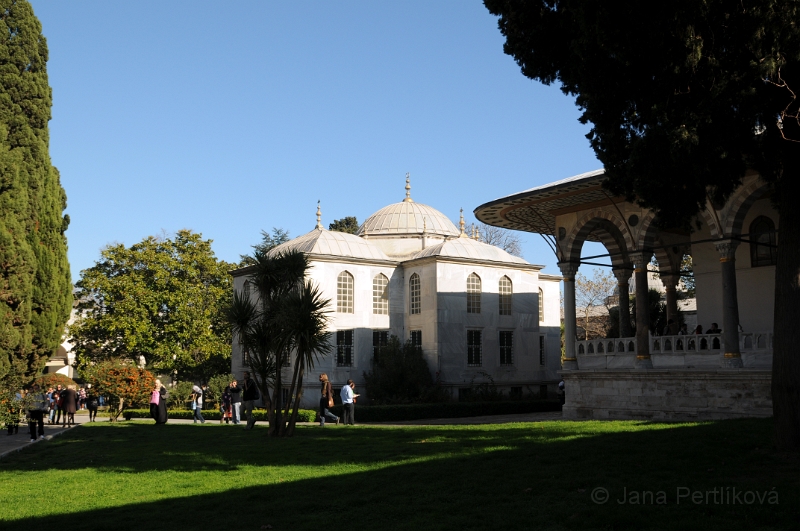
400	375
348	224
268	241
35	285
448	410
53	379
160	298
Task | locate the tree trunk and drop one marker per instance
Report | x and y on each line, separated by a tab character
293	420
278	429
786	339
285	430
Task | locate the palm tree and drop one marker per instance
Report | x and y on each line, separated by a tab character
304	320
288	314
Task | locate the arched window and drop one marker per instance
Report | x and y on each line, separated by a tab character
414	294
246	289
762	242
541	305
505	289
473	293
380	295
344	292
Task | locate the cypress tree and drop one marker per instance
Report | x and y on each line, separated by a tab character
35	285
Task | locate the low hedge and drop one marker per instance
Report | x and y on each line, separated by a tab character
303	415
448	410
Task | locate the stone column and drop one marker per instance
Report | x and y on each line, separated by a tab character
670	281
569	270
640	260
730	303
623	276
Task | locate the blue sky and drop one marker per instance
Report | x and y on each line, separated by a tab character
231	117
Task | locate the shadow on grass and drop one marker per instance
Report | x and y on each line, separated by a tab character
462	477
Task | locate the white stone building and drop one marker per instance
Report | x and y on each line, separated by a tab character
474	309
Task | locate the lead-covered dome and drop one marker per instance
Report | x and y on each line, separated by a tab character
407	217
332	243
470	249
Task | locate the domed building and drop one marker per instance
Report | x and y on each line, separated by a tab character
478	313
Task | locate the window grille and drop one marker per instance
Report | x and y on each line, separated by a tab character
416	339
505	289
380	338
414	294
344	292
380	295
541	351
473	293
762	242
506	347
344	348
474	348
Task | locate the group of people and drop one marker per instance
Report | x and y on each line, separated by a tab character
231	401
673	330
326	401
58	404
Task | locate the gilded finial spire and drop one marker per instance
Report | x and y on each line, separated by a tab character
319	216
408	189
461	224
475	235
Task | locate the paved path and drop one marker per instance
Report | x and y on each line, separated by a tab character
13	443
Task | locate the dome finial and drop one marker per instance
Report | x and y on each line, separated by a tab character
408	189
461	224
319	217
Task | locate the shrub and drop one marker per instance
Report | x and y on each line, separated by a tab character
399	412
216	386
401	375
179	396
53	379
121	384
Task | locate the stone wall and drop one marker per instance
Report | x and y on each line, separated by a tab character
669	395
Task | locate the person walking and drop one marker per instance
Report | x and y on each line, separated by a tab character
92	403
51	402
250	395
59	403
82	398
158	403
69	404
236	401
326	401
197	401
38	405
349	402
225	406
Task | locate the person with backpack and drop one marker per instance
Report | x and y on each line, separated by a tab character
249	395
197	404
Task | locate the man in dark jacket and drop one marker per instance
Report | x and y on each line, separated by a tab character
250	395
236	401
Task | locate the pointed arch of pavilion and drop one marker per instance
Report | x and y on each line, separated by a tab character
606	226
740	203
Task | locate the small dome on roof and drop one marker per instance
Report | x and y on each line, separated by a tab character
321	241
470	249
407	217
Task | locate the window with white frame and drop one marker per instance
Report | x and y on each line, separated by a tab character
541	305
506	339
473	293
474	351
344	348
505	289
344	292
414	294
380	295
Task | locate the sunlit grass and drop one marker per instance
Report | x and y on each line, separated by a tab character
135	476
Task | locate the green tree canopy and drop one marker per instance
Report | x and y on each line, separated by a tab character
683	98
268	241
35	285
161	298
348	224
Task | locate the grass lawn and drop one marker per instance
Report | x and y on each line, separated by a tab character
512	476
